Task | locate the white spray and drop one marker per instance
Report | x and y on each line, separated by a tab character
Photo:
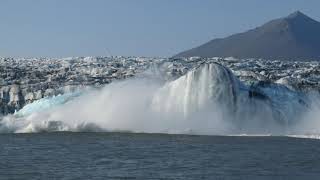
207	100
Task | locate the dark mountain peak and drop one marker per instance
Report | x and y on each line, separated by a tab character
302	21
296	14
300	18
293	20
294	37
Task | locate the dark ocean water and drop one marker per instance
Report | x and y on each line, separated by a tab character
156	156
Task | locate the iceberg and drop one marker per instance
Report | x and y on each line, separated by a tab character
46	103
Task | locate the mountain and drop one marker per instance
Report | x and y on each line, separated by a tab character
295	37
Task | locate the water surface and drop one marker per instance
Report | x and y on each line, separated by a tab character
156	156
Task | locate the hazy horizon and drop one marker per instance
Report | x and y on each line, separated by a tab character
43	28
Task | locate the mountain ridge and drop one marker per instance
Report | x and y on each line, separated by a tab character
293	37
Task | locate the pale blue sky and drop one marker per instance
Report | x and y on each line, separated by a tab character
61	28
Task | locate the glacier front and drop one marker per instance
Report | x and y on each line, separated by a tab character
208	99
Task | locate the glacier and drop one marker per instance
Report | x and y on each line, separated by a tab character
209	99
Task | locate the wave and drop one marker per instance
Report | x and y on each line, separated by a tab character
208	100
306	136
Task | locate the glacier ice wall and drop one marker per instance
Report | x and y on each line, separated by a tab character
209	99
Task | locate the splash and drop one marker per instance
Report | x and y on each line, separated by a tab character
207	100
203	87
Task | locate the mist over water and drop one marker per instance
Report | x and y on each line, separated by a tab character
208	100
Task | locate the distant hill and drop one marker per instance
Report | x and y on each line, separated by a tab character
296	36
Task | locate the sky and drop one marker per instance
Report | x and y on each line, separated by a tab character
64	28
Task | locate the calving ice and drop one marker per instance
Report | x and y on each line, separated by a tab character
103	85
209	99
